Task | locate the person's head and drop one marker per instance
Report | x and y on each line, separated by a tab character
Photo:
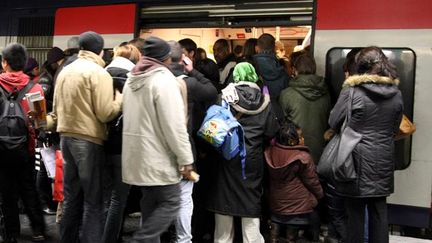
372	60
350	66
250	48
189	47
72	46
176	52
303	63
32	68
14	57
138	43
91	41
238	51
266	42
290	134
221	49
55	58
280	49
244	71
157	48
127	51
200	54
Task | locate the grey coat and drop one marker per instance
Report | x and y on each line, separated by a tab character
376	113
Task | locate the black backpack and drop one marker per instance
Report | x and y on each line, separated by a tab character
13	121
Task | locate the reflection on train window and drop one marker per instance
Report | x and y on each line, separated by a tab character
405	61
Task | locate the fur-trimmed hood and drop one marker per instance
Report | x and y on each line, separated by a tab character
375	84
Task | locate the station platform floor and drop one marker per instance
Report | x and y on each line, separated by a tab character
132	223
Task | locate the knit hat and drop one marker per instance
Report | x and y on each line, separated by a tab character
91	41
156	48
244	71
31	64
54	54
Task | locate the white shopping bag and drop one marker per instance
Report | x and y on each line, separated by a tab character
48	158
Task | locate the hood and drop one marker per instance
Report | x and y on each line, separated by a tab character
91	56
146	64
136	81
310	86
251	100
375	85
10	80
119	76
280	156
121	62
177	69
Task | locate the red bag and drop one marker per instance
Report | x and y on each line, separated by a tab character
58	181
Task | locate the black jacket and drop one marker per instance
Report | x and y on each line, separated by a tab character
376	114
209	69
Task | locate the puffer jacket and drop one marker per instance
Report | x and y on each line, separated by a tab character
376	114
306	102
294	184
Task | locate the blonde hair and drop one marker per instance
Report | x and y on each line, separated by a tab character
127	51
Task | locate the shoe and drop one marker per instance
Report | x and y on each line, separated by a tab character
49	211
38	238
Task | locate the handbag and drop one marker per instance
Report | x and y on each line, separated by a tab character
406	128
336	162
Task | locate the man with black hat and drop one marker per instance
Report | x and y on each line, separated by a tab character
156	151
83	103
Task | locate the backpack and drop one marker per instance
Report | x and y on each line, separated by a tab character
222	130
13	121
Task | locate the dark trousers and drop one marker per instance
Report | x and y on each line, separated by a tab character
17	179
378	222
337	214
159	208
44	188
83	204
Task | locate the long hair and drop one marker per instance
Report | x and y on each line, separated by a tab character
372	60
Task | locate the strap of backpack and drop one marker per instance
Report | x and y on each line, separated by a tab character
242	151
25	90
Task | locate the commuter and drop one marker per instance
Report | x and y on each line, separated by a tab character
32	69
200	93
232	194
281	55
270	71
17	165
226	62
83	103
376	114
249	50
125	58
156	149
294	188
71	53
203	65
306	102
138	43
238	52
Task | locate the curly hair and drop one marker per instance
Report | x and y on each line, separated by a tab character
288	134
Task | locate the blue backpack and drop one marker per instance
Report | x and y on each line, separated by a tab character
222	130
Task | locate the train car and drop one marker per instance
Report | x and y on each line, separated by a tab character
403	28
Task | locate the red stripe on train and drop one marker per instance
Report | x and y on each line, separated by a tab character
108	19
374	14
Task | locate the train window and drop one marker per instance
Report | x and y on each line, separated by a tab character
405	61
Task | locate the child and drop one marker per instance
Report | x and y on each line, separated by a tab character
294	184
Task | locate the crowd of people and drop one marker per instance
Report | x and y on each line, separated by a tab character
132	124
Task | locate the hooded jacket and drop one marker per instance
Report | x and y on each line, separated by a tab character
306	102
84	100
11	80
155	138
376	114
294	184
231	194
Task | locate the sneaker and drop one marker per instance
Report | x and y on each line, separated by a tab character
49	211
38	238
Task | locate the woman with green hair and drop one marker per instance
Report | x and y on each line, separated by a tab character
233	195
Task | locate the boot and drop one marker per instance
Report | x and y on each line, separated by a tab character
274	232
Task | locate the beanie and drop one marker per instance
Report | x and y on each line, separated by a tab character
156	48
91	41
54	54
244	71
31	64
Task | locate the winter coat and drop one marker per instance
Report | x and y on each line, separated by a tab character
118	69
294	184
46	81
231	194
83	99
376	114
306	102
155	139
10	81
226	67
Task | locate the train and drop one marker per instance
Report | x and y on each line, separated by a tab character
331	28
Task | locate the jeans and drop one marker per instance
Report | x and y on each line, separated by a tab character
184	218
119	196
378	225
83	204
17	174
224	230
159	207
